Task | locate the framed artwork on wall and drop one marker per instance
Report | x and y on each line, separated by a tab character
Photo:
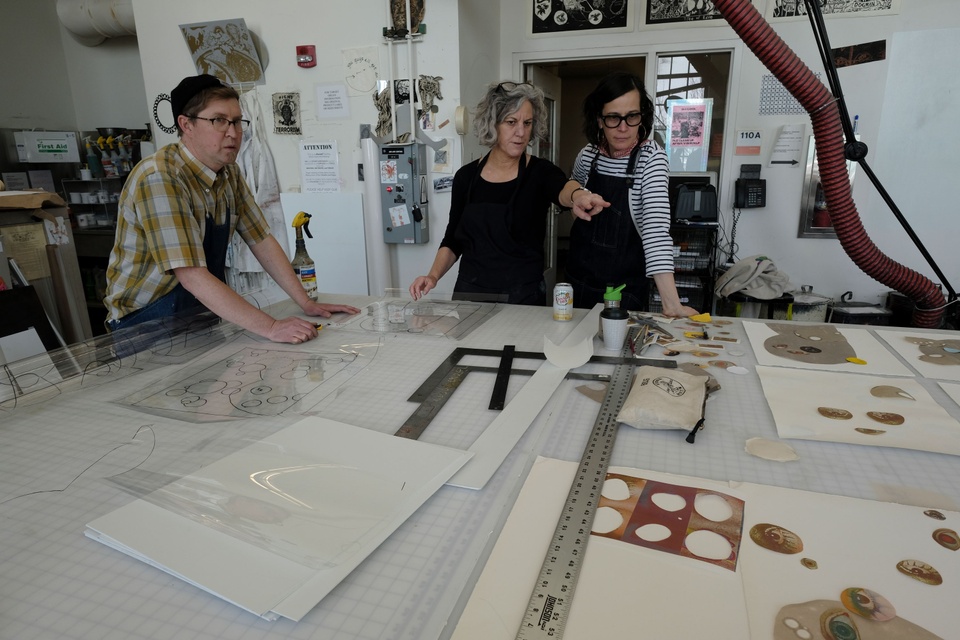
797	9
687	12
551	17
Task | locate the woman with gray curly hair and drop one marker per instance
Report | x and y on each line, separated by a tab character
499	204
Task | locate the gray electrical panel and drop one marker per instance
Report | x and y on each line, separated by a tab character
403	193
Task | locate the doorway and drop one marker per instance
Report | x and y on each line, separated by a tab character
565	84
699	74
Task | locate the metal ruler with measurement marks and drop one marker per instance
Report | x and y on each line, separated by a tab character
549	606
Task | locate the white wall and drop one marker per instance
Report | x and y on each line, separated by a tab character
332	28
50	81
773	230
35	91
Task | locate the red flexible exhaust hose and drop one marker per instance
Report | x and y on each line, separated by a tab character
800	81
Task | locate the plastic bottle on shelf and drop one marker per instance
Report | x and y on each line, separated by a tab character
125	162
93	161
109	169
115	158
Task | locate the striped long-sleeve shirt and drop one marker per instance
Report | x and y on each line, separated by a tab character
649	198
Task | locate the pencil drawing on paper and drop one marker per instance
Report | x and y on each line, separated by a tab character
251	382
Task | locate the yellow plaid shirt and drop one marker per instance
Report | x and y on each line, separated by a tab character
161	222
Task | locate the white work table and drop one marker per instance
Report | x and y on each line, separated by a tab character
77	450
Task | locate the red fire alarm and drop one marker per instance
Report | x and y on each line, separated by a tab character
307	55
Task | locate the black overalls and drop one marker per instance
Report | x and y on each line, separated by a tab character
608	250
493	262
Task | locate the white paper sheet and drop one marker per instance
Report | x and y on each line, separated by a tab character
795	396
276	526
626	591
931	361
877	359
952	390
502	435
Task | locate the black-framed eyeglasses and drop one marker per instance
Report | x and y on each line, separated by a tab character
221	124
613	120
507	87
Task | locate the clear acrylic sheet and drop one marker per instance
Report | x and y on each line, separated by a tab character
432	315
276	526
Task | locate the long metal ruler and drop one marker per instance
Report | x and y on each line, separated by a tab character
549	605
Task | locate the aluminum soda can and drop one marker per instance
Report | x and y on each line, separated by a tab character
563	302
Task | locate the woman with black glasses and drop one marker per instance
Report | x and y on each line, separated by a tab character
499	205
626	238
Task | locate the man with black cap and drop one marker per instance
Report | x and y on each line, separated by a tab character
177	213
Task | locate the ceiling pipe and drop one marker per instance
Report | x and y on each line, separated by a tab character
93	21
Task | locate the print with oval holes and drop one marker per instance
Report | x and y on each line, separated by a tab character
686	521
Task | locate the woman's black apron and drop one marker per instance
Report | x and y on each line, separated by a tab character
608	250
494	264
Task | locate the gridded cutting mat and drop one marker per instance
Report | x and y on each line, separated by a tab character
82	454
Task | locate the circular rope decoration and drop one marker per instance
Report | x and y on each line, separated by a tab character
156	116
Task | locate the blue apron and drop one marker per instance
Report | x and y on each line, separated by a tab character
216	240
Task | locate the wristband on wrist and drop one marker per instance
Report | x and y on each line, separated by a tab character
584	189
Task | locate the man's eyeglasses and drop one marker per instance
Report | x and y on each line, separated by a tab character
506	87
613	120
221	124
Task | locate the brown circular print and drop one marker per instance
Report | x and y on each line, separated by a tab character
870	432
920	571
886	417
834	414
947	538
776	538
809	563
933	513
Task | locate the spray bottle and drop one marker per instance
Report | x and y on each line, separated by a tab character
108	169
115	158
126	163
302	264
93	160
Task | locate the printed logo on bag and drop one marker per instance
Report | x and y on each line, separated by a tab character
669	385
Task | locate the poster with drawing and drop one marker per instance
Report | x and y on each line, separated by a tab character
688	133
225	49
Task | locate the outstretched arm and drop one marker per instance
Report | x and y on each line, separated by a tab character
672	307
441	264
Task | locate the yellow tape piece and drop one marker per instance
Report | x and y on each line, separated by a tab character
700	317
856	361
